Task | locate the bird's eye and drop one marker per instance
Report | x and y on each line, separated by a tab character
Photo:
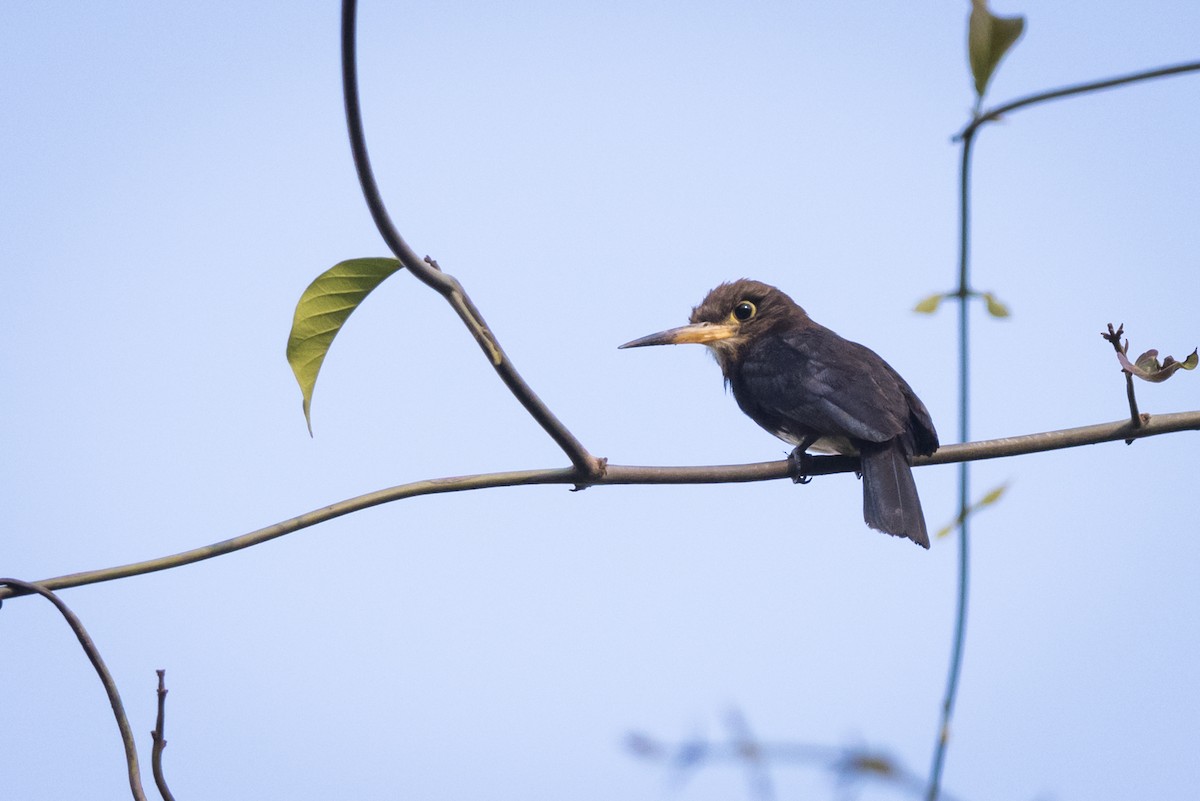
744	311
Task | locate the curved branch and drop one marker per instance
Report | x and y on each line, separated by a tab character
110	686
628	474
587	467
996	113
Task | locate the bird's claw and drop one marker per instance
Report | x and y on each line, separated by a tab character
799	462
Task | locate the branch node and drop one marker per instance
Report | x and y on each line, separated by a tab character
595	470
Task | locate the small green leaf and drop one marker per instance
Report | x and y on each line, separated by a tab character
930	304
987	500
323	310
988	38
992	497
944	530
995	307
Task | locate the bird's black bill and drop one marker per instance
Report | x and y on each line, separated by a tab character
700	333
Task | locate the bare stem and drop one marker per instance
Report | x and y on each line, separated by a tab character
587	467
623	474
159	736
8	585
1122	348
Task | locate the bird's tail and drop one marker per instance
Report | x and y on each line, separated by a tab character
890	500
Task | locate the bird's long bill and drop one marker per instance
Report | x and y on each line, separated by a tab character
697	332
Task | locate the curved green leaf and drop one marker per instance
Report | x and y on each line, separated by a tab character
988	38
323	310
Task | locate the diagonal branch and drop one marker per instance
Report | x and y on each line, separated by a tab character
628	474
587	467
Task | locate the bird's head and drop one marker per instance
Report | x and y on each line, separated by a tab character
730	317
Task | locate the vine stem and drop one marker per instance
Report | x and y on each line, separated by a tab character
997	112
964	477
964	293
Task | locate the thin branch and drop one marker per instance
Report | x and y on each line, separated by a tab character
996	113
623	474
967	137
962	596
159	736
587	467
93	654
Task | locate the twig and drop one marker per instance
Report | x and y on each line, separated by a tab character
587	467
93	654
1122	348
996	113
623	474
159	736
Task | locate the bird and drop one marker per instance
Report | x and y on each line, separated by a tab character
817	391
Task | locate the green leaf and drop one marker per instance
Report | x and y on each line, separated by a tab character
995	307
930	304
988	38
323	310
992	497
987	500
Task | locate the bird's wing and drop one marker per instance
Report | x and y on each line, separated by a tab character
828	385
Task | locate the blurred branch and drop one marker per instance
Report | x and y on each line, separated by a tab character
93	654
587	467
993	114
159	736
622	474
847	765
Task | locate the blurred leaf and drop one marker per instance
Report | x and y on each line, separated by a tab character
995	307
987	500
875	764
930	304
323	310
989	37
992	497
1148	368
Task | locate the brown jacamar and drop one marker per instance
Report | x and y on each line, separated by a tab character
817	391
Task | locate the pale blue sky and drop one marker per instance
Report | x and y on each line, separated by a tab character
174	175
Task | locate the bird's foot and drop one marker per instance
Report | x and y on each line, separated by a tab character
799	462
